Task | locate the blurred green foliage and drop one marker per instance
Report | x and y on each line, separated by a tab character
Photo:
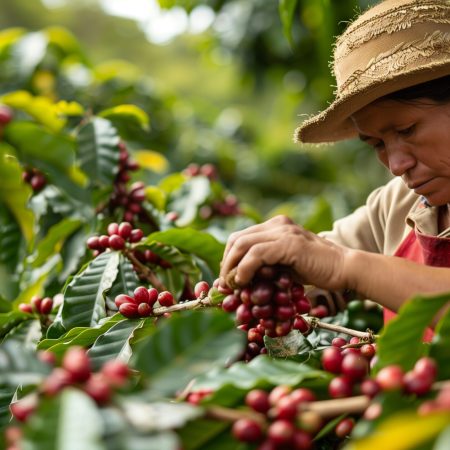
231	96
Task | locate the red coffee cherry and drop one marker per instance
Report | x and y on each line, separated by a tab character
243	314
319	311
370	388
390	378
310	421
283	328
23	408
136	235
93	243
129	310
113	228
25	308
344	427
98	389
302	395
355	366
202	287
278	392
144	310
103	241
367	350
122	299
258	400
6	114
77	363
47	357
340	387
46	306
247	430
116	372
281	432
301	325
417	383
152	296
285	409
338	342
261	294
36	303
332	359
165	298
302	440
427	367
124	230
56	382
141	295
303	306
38	182
116	242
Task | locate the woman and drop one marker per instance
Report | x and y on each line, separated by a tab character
392	67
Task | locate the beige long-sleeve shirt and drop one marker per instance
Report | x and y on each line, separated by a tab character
389	214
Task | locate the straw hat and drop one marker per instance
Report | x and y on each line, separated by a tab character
392	46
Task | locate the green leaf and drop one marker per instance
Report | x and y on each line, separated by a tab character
401	341
185	346
440	347
53	241
98	150
82	336
115	343
156	441
84	303
286	10
12	319
321	217
125	283
127	113
28	52
443	440
42	109
261	371
289	345
6	396
403	431
68	422
33	141
10	240
187	200
157	416
14	193
195	242
200	433
19	366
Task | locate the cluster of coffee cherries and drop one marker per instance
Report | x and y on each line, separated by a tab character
118	236
149	257
75	371
207	170
142	302
271	305
283	423
35	178
350	361
129	199
228	206
38	305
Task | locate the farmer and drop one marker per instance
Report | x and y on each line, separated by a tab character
392	68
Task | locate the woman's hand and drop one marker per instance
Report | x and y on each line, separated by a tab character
280	241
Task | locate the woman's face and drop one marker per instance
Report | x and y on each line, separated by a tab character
413	141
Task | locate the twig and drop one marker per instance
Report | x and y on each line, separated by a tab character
192	304
145	271
335	407
231	415
365	335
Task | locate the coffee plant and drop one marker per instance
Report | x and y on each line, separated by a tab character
115	332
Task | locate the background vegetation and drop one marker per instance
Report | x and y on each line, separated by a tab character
232	95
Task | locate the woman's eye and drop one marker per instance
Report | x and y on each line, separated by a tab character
379	145
406	131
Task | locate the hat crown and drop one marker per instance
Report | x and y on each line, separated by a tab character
394	36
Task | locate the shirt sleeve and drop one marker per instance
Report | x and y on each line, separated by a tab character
378	225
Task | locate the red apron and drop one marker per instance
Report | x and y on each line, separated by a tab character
424	249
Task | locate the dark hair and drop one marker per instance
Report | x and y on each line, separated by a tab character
436	90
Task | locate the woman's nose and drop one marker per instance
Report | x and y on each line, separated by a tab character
400	160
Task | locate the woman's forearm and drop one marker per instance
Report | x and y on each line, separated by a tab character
390	280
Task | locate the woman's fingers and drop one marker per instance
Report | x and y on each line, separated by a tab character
241	245
261	227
